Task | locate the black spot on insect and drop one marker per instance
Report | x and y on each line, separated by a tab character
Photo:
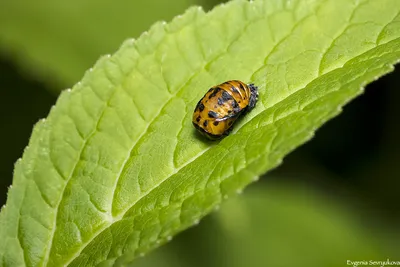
205	123
234	90
200	106
241	86
226	96
209	90
229	111
198	119
230	123
236	108
216	123
235	104
212	114
220	101
213	94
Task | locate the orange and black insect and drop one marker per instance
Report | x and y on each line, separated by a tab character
220	107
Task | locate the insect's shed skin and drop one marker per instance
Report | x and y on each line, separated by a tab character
218	110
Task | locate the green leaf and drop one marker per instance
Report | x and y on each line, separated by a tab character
57	41
117	169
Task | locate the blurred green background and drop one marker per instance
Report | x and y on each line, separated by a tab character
334	199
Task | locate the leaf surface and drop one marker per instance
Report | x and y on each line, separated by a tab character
117	168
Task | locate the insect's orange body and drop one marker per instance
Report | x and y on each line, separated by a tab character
220	107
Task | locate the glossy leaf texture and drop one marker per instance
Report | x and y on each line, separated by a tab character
117	168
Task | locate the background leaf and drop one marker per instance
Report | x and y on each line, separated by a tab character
97	138
58	41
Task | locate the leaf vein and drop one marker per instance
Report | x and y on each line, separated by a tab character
380	35
67	181
341	33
